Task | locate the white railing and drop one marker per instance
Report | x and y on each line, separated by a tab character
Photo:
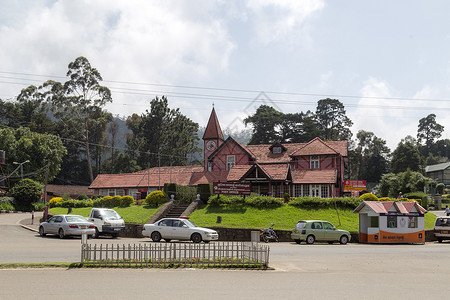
167	255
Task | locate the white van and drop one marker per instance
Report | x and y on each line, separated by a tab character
106	221
442	228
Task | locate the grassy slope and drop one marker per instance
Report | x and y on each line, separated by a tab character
132	214
284	217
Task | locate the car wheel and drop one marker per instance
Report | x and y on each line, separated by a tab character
156	236
343	240
310	239
96	234
167	240
42	231
114	235
196	238
298	241
61	233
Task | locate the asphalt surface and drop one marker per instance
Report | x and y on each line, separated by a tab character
353	271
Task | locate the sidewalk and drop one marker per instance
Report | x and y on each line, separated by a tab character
31	224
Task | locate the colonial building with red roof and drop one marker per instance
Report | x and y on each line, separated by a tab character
313	169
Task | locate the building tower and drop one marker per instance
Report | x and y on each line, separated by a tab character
212	138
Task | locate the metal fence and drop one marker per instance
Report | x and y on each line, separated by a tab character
172	255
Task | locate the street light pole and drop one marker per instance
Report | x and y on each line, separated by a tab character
21	167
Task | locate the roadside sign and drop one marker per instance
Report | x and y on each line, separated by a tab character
231	188
354	185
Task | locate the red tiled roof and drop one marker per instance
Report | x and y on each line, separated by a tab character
208	177
384	207
237	172
60	190
213	130
104	181
314	147
276	171
314	176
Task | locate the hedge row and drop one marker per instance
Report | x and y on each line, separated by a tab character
107	201
184	194
301	202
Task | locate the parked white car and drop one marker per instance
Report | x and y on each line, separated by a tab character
106	221
64	225
178	229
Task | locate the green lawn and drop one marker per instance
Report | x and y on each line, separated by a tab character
284	217
133	214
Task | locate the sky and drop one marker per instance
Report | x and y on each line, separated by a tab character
388	62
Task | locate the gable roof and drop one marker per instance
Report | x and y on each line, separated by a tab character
314	147
438	167
232	140
383	207
213	130
314	176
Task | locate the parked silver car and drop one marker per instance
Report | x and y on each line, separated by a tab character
64	225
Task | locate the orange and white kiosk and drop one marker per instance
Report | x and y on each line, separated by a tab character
383	222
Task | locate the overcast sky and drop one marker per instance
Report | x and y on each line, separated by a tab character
387	61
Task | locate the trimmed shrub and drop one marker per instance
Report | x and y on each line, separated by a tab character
170	189
156	198
126	201
217	200
419	197
440	188
6	206
368	197
263	202
25	192
205	191
316	202
55	202
37	206
82	197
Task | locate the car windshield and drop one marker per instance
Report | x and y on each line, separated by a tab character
189	223
300	224
72	219
442	222
111	214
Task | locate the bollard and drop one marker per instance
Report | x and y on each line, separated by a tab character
84	238
32	217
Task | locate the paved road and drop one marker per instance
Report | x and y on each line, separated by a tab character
354	271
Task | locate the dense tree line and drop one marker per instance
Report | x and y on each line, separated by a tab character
73	113
369	156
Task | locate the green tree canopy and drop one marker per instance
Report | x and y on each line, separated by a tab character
392	184
41	150
406	156
428	131
25	192
161	136
332	120
266	123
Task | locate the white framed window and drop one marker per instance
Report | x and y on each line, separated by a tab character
324	191
315	190
276	150
305	190
210	166
297	190
231	161
314	162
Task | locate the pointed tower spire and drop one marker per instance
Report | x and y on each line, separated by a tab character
213	130
212	139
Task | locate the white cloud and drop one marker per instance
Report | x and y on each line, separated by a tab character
141	41
278	19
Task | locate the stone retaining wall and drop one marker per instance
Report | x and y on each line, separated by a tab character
244	234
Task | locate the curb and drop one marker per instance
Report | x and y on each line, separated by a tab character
28	228
13	212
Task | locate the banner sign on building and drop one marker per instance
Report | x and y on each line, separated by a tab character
354	185
231	188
